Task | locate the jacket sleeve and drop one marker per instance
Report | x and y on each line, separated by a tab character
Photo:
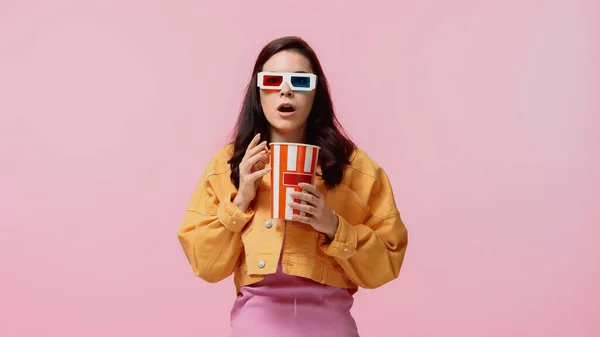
372	253
210	235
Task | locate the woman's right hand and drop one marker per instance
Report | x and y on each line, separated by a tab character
252	168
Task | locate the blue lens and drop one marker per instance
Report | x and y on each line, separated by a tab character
301	81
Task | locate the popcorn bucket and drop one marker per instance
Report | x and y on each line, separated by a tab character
291	164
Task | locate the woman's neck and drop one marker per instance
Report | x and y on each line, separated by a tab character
295	137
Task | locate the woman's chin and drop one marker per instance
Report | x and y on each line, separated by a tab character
287	128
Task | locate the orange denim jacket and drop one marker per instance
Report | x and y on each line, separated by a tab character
367	250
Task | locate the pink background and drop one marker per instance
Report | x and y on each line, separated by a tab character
486	117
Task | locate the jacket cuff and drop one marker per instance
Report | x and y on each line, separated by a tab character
232	217
344	242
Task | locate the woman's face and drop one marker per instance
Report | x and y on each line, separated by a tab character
287	110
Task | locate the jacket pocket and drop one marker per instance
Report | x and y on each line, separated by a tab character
301	239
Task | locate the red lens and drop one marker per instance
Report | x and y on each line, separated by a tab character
272	80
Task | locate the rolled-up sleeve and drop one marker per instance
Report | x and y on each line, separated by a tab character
372	253
210	235
232	217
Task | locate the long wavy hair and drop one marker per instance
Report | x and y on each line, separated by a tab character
323	128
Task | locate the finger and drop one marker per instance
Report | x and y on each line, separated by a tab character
259	165
250	162
256	149
253	142
259	174
304	208
310	189
303	219
311	199
260	156
264	160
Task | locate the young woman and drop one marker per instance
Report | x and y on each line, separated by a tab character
298	277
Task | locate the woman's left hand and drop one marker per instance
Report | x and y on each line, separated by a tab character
318	214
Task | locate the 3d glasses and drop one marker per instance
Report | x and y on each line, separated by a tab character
296	81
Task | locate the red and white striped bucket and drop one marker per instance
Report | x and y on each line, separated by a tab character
291	164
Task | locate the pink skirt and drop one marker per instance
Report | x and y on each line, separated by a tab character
283	305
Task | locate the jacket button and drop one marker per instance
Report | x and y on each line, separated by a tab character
345	249
261	264
268	224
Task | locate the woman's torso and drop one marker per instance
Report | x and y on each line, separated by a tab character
303	252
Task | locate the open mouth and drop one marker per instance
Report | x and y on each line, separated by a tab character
286	107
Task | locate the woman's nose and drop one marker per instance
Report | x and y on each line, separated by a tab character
286	91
